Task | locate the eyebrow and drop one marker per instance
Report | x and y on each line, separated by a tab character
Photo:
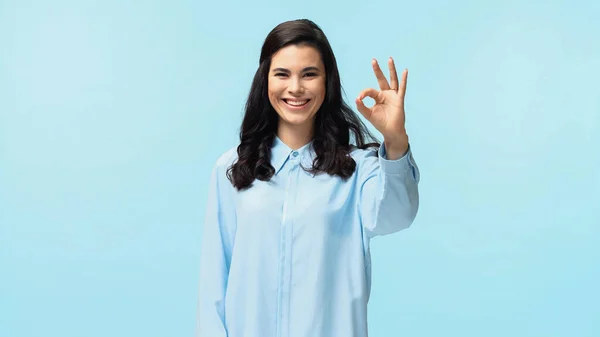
303	70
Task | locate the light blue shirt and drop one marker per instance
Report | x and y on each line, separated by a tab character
290	257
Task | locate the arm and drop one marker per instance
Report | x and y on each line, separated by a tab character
216	245
389	194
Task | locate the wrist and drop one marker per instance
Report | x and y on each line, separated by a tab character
396	148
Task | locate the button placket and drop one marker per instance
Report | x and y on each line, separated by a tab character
287	230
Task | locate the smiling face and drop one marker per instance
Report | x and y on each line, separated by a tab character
296	87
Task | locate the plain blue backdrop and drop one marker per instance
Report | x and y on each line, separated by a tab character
112	114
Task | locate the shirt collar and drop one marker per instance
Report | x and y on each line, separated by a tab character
280	153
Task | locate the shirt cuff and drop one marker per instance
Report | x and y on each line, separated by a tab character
400	165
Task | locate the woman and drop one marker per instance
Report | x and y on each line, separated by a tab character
292	209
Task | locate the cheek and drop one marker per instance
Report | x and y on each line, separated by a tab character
320	88
320	92
272	93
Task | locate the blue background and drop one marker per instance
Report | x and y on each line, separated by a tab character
112	114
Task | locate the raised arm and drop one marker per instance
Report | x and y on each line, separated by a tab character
389	193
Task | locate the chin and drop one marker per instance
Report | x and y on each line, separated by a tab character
290	119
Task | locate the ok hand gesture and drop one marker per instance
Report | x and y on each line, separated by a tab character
387	115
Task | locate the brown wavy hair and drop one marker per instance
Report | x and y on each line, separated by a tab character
335	122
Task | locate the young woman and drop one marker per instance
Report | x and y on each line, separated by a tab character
292	209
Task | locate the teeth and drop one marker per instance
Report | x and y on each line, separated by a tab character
297	103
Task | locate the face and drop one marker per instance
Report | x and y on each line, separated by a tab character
296	85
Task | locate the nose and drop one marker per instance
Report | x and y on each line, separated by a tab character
296	87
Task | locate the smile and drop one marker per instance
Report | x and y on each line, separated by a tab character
295	104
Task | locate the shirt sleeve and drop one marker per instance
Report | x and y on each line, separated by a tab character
216	246
389	193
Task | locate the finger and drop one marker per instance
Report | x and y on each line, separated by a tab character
363	109
402	89
393	75
370	92
381	80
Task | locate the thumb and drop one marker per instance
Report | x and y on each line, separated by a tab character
366	112
370	92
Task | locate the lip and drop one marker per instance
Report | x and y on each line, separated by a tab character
293	107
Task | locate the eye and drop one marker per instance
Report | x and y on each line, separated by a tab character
280	74
311	74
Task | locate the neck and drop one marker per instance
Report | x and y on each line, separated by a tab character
295	136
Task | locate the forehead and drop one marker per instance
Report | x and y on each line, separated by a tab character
294	56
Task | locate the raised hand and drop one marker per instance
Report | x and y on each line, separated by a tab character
387	114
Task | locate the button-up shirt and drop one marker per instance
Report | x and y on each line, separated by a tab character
290	257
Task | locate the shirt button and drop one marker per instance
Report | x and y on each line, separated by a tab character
295	154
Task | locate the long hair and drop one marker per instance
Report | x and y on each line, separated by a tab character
334	125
